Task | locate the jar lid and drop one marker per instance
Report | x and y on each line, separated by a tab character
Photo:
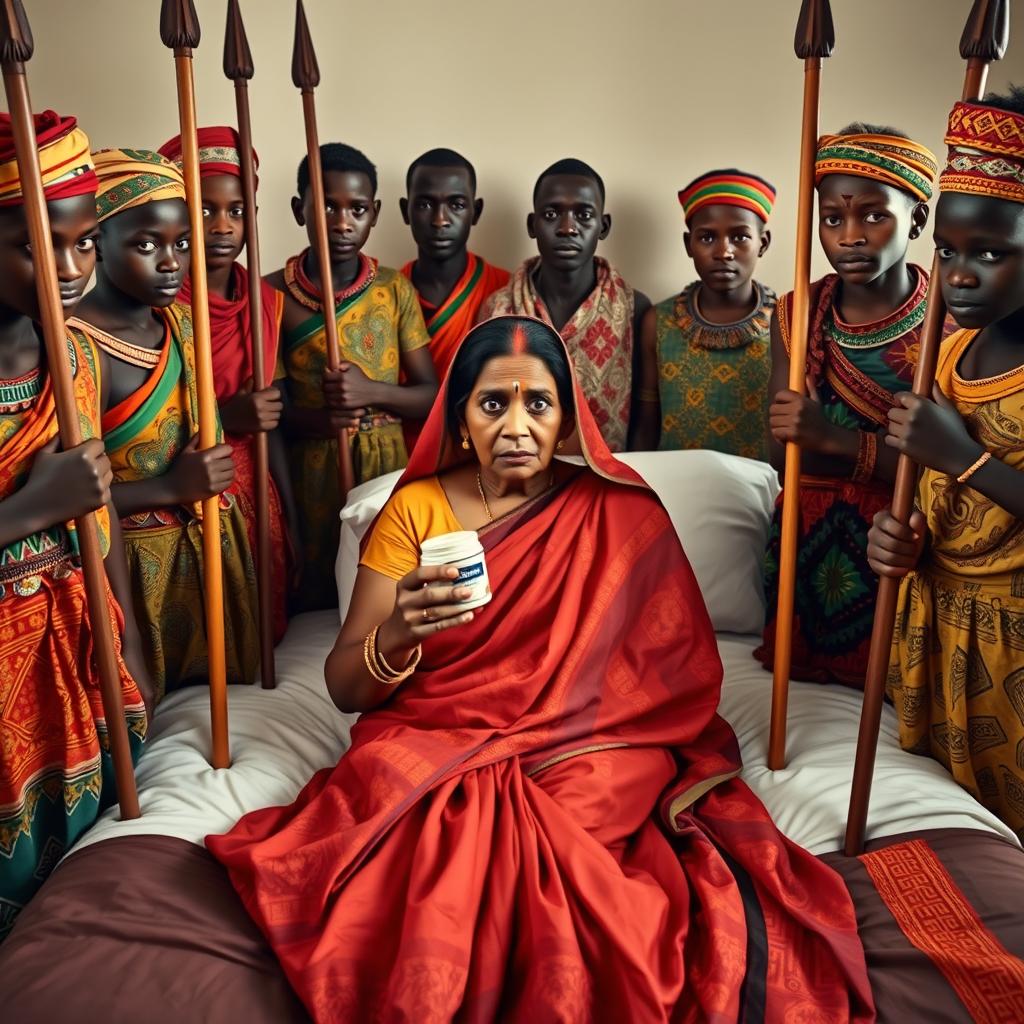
449	547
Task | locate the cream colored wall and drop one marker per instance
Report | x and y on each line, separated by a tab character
651	93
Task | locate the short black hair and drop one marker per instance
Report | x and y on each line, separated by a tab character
1012	100
441	158
866	128
494	338
576	168
336	156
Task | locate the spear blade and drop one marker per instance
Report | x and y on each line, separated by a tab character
987	32
305	69
815	34
238	64
179	24
16	44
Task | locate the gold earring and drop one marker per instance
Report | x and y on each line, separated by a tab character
560	445
465	443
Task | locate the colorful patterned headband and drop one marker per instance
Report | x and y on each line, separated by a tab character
218	152
728	188
63	158
890	159
986	155
131	177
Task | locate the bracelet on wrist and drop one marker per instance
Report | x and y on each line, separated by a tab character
378	667
973	467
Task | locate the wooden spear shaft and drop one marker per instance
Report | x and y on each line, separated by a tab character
815	40
179	30
238	67
17	47
306	76
985	39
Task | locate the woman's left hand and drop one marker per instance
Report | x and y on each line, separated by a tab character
932	433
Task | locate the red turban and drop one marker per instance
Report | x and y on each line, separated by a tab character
218	152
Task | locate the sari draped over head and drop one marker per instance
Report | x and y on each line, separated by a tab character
55	771
231	344
379	320
544	822
599	336
857	370
143	435
956	674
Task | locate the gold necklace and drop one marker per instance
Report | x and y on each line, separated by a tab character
483	498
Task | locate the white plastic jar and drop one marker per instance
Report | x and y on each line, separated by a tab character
463	550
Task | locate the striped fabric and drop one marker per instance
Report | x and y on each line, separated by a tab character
728	188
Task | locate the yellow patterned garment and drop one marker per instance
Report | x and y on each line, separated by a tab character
379	319
957	669
713	378
143	435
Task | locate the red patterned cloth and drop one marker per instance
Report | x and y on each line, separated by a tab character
986	155
544	823
599	338
218	152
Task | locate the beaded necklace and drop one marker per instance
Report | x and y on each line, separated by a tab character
307	294
18	394
898	323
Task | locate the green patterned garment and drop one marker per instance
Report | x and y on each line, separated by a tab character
713	378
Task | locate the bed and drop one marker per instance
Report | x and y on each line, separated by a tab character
138	922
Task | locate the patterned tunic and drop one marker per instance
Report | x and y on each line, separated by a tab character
857	370
713	378
956	674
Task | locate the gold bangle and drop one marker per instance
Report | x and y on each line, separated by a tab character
386	669
973	468
379	669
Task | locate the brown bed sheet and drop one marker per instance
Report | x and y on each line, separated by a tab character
141	930
148	929
908	987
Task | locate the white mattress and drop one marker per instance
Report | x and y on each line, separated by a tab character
280	737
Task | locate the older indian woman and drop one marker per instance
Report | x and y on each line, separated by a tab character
539	816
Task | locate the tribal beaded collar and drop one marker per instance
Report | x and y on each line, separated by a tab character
883	332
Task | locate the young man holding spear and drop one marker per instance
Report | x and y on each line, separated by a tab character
343	370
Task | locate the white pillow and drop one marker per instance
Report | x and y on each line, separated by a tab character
720	505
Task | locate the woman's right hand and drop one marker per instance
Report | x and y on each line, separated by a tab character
426	603
198	475
71	483
893	548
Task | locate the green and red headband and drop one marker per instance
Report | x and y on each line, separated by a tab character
728	188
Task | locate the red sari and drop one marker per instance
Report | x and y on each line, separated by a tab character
545	823
231	341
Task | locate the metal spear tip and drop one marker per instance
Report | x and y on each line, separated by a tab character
305	70
16	45
815	33
987	32
237	55
179	24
